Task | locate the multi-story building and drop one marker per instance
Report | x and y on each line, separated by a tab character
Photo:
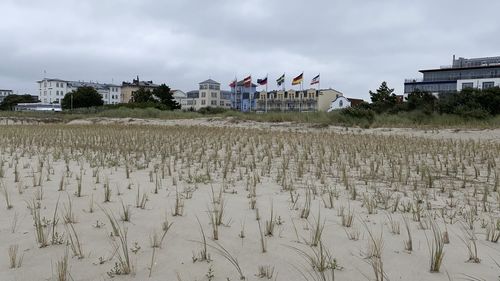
483	83
4	94
179	96
54	90
243	96
475	72
301	101
129	88
209	94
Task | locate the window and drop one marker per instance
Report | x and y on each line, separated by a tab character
214	102
221	103
467	85
203	94
214	94
202	102
341	103
487	85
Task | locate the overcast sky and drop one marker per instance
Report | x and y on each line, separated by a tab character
354	44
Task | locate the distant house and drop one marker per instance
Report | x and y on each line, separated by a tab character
179	96
4	94
129	88
479	73
209	94
300	101
54	90
243	96
343	102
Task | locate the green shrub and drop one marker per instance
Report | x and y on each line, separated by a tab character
211	110
359	113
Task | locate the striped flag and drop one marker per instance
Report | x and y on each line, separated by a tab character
233	84
280	80
315	80
262	82
247	81
297	80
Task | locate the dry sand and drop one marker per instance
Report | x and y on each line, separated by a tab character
174	261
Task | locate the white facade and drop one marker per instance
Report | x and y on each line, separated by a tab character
180	97
208	95
54	90
483	83
5	93
340	103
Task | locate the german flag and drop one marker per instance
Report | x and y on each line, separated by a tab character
297	80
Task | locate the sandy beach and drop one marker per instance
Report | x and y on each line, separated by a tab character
219	199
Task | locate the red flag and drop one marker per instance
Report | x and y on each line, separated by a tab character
233	84
262	82
247	81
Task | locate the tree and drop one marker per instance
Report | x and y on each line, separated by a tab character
383	98
10	101
143	95
421	100
82	97
489	99
471	103
159	97
164	95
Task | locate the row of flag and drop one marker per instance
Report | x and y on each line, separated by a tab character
247	82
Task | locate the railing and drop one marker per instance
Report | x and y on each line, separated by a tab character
413	80
453	78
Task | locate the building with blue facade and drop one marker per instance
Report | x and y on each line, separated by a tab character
463	73
243	97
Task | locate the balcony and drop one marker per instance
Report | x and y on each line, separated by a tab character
414	80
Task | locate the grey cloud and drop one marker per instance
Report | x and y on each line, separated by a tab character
353	44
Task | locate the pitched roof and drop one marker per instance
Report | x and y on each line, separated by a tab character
52	79
210	81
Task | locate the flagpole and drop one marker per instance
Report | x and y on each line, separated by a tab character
319	81
250	96
319	88
235	81
267	94
301	91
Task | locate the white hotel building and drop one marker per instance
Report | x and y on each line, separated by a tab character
4	94
54	90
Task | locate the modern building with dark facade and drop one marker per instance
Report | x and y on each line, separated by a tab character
476	72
